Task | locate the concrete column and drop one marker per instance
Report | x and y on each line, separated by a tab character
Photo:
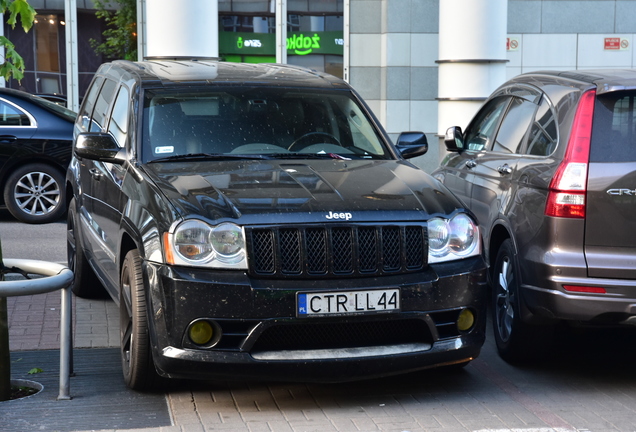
472	57
184	29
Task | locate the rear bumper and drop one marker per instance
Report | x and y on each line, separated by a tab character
617	305
257	316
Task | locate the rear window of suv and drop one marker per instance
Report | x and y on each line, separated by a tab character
613	131
229	120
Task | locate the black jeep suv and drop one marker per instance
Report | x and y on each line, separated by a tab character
548	165
256	221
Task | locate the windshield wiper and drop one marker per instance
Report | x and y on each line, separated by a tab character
208	156
309	156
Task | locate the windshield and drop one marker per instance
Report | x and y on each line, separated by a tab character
272	122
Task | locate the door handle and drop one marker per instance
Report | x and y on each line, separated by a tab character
8	138
504	169
471	164
95	173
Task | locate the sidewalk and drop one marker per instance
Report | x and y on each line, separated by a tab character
586	384
34	322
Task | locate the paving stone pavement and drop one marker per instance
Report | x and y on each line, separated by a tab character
586	383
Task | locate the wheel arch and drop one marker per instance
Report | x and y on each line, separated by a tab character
126	245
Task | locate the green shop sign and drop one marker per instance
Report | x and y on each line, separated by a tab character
300	43
315	43
247	43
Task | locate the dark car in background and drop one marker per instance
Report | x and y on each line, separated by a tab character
548	166
35	149
256	221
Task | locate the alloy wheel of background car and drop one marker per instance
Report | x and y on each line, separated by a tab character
509	330
85	282
136	357
34	194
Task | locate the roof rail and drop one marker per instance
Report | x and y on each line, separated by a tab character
181	58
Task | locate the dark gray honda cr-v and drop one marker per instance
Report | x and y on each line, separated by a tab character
548	165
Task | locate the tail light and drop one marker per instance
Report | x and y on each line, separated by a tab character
566	195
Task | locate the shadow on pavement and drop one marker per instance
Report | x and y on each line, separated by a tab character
100	398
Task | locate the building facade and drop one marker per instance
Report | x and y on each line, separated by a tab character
387	49
44	47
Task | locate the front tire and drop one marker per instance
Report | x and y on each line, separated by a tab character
34	194
136	356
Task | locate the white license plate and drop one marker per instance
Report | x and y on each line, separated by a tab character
348	302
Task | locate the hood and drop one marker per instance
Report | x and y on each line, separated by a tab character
279	191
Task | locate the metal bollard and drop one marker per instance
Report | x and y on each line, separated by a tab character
56	276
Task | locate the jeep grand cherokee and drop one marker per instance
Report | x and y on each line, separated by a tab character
256	221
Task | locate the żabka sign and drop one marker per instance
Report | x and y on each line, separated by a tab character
303	45
244	43
330	42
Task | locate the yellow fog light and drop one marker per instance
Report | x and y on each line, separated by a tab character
201	332
466	320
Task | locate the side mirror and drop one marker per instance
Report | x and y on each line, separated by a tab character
454	139
98	146
412	144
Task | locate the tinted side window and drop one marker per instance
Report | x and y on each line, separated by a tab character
514	126
101	106
613	130
482	129
118	125
543	134
11	116
89	103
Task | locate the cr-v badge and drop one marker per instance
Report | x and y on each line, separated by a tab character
621	191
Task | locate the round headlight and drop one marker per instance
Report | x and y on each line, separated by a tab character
438	236
463	234
227	240
191	241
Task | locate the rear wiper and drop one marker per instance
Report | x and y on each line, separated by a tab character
208	156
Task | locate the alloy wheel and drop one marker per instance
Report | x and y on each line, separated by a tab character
125	325
504	302
37	193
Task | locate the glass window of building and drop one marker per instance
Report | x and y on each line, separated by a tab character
47	64
247	33
315	35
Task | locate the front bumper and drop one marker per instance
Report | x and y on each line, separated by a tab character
263	338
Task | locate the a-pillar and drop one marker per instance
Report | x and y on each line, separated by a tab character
183	29
472	58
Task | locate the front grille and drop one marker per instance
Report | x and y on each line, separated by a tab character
353	250
307	336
